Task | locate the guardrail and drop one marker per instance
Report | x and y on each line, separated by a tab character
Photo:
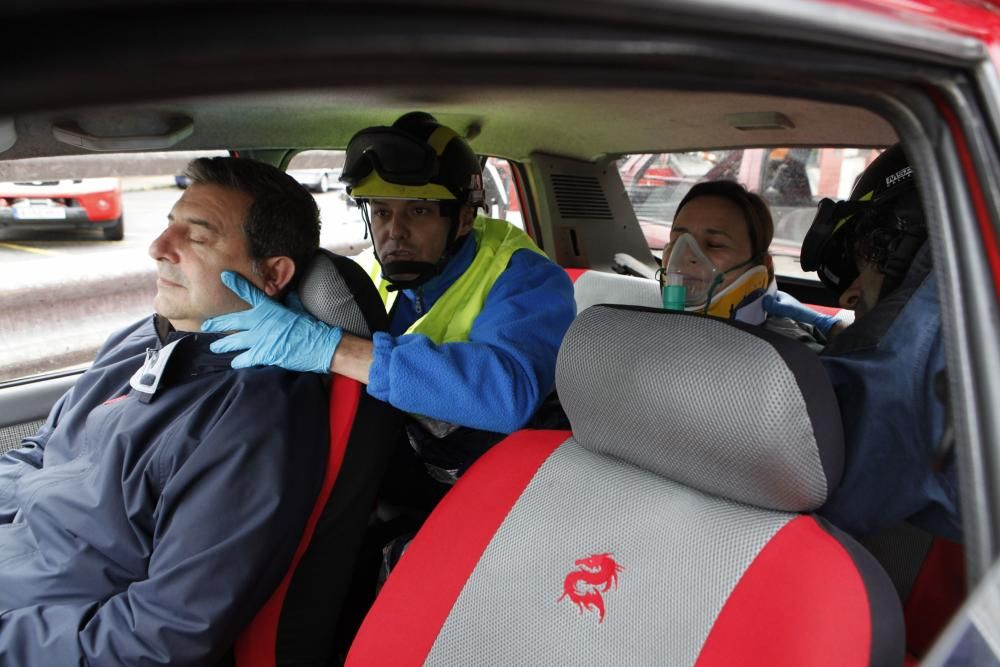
58	318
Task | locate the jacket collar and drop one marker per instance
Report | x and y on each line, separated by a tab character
193	355
432	290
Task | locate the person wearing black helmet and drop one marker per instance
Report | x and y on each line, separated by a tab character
888	366
862	248
477	310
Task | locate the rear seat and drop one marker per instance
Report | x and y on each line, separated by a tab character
671	525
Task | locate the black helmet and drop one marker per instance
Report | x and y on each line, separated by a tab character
415	158
882	223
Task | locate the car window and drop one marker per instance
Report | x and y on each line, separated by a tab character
74	234
791	180
502	200
318	171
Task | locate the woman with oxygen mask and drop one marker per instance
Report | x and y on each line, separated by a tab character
717	261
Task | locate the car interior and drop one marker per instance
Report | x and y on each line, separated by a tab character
563	96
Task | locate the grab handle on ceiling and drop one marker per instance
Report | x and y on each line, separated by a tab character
178	129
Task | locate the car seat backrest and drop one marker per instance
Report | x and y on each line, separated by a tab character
12	435
296	625
667	527
594	287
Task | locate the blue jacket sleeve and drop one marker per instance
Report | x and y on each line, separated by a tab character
497	379
225	528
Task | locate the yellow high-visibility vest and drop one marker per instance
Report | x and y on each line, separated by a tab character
450	319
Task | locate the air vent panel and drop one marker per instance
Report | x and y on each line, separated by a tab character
580	197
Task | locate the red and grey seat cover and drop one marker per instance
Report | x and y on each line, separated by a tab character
296	624
670	527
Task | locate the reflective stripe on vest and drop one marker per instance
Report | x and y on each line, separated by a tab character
450	319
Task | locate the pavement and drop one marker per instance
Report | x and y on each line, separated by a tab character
140	183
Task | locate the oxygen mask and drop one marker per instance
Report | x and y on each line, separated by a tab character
690	281
688	278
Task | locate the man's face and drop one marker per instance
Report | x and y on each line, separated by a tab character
204	236
412	230
862	295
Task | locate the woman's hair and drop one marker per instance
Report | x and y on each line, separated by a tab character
760	224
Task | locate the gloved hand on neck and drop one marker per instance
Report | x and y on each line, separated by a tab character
273	334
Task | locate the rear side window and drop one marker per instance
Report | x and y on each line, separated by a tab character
74	233
502	200
74	239
791	180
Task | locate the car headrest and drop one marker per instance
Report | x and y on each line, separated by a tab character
337	290
594	287
727	408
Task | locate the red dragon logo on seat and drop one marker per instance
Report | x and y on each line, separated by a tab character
596	574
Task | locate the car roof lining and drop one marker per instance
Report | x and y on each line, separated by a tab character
580	122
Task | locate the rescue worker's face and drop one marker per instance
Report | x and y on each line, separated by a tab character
718	226
204	236
412	230
862	295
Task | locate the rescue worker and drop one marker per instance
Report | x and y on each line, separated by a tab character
888	366
477	310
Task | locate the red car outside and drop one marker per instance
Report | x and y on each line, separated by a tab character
93	203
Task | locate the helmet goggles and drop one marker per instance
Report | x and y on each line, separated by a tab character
396	156
827	247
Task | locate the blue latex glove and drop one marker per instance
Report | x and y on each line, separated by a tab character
786	305
271	333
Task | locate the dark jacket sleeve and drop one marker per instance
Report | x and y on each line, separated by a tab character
225	528
28	456
893	423
31	453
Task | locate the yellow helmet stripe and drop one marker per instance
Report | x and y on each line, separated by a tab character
842	221
372	186
439	139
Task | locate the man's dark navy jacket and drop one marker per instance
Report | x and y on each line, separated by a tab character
148	528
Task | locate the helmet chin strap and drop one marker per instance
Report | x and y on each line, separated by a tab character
421	272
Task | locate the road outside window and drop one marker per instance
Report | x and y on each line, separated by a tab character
74	234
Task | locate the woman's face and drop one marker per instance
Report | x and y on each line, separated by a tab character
717	224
